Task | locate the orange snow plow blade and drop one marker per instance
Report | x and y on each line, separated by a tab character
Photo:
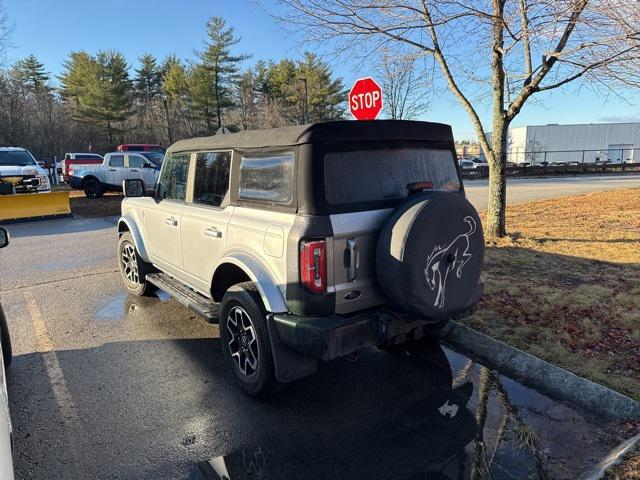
34	206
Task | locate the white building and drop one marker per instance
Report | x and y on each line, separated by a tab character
588	143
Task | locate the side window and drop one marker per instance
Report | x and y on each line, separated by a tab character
211	178
173	179
268	179
116	161
136	161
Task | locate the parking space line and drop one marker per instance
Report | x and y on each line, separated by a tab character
44	345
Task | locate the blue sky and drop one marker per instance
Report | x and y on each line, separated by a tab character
51	29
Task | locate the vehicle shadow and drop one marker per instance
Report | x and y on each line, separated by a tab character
160	409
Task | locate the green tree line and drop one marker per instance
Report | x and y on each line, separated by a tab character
100	100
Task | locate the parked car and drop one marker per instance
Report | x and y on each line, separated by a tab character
307	243
116	167
467	164
20	172
140	147
6	431
77	159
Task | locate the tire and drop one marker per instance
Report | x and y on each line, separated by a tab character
5	340
133	269
93	189
430	255
245	340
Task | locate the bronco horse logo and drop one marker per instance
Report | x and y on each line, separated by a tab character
444	260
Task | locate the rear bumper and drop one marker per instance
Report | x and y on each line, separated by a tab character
333	336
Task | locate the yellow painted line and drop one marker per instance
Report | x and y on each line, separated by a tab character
44	345
43	339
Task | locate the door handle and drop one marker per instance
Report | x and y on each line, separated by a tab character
212	232
354	259
133	169
172	222
112	170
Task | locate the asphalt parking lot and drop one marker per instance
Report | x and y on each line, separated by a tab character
110	386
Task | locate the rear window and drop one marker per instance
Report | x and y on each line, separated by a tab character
378	175
268	178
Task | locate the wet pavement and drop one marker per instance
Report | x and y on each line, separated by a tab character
106	385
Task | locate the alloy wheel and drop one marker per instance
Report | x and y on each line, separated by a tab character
130	264
243	343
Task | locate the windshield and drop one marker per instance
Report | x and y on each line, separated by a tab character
377	175
156	157
20	158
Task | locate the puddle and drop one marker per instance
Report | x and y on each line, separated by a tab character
433	414
113	308
118	306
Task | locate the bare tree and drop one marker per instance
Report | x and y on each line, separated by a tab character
6	28
487	50
403	87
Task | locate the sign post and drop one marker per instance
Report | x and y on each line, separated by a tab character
365	99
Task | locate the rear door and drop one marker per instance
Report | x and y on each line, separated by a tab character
205	218
365	185
135	164
116	170
162	220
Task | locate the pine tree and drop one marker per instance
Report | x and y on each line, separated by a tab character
99	90
148	79
31	72
221	66
326	95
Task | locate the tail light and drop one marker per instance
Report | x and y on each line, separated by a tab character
313	265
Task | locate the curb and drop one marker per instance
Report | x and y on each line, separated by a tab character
544	376
612	459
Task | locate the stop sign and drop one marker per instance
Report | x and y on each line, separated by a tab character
365	99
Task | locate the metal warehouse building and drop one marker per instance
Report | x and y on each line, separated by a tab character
585	143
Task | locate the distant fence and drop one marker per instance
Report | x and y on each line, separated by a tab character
611	154
565	162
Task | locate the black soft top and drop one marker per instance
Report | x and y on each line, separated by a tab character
325	132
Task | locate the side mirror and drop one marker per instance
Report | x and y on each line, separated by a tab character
4	237
133	187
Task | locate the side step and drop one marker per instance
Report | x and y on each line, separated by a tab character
203	306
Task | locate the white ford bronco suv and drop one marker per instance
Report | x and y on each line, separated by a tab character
307	243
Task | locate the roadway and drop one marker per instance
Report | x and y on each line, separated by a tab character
521	190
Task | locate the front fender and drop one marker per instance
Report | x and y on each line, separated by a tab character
132	226
258	273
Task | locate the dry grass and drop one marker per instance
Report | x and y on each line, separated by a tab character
566	285
106	206
628	469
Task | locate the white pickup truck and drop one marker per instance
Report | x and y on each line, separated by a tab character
117	166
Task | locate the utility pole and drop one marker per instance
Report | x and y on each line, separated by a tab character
305	102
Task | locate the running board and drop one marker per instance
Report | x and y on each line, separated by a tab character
203	306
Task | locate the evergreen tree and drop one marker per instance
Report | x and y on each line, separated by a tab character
148	79
98	90
79	68
174	80
221	68
32	74
326	95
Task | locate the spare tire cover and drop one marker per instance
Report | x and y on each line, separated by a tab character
430	254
